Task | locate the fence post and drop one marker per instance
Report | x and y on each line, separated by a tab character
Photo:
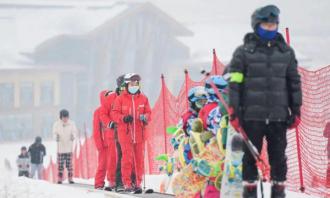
215	62
301	176
186	87
164	111
87	151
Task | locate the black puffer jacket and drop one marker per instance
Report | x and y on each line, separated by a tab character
37	152
271	84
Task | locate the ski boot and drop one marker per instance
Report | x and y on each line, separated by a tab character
128	189
278	190
137	190
108	188
120	188
250	189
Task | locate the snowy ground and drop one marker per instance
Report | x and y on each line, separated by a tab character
13	187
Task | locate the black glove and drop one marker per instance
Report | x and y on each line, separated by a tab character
294	112
128	119
112	125
143	119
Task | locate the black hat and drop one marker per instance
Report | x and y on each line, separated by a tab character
38	139
23	148
269	13
64	113
120	80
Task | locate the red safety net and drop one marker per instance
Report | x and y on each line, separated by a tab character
306	151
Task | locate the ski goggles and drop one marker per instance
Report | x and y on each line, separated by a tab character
268	11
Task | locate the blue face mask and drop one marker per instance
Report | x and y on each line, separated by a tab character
133	89
266	34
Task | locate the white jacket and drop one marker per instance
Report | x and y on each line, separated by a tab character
65	134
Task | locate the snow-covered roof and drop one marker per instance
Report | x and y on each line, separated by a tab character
26	24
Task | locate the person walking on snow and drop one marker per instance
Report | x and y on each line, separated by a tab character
37	152
131	112
65	132
23	163
265	96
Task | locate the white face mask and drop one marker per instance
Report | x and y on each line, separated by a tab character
133	89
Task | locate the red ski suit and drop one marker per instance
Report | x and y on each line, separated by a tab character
131	135
104	141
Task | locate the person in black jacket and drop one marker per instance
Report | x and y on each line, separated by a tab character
265	96
37	152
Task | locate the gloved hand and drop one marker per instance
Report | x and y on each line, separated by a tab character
57	138
234	118
144	119
294	118
128	119
112	125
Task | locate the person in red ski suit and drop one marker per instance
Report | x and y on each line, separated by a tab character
131	111
102	136
114	151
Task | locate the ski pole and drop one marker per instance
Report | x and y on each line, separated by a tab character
144	152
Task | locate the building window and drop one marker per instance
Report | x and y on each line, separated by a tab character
26	94
16	127
47	93
6	95
47	124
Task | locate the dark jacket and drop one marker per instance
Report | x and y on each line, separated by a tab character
37	153
271	84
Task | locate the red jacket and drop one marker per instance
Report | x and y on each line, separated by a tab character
98	131
134	105
105	113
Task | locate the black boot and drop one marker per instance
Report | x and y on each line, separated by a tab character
137	190
250	189
120	188
108	188
278	190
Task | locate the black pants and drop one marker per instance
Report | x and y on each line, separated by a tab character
275	133
118	167
23	173
64	159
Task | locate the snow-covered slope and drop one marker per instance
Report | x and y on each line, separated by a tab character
13	187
